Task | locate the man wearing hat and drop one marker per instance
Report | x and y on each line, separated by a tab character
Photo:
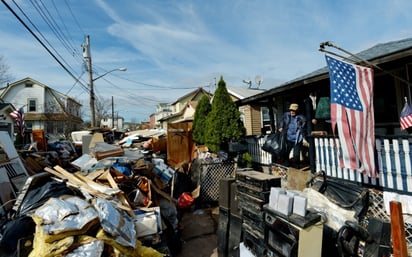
294	125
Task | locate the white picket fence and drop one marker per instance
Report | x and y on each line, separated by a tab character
259	156
393	163
393	159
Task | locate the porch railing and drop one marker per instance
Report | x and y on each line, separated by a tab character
393	160
259	156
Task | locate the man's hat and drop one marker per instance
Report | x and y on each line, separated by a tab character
294	107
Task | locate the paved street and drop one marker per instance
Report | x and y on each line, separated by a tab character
199	233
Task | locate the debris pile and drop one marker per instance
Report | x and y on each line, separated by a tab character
112	201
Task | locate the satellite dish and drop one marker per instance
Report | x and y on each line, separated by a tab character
258	80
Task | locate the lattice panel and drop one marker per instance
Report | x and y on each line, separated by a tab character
211	174
377	209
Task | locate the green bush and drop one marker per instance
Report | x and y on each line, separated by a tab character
223	123
199	121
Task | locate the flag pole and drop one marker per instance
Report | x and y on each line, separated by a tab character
360	60
332	53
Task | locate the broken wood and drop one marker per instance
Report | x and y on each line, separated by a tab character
110	153
87	182
398	230
93	188
95	174
73	181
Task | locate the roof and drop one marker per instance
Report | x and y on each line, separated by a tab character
377	51
52	91
242	92
194	93
4	105
376	54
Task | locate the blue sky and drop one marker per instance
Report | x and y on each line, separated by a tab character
170	48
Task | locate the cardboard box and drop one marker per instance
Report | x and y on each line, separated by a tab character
297	179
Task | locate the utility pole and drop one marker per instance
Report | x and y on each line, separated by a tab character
112	113
88	57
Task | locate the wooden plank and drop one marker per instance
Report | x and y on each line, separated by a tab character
110	153
108	176
73	180
398	230
76	181
125	204
95	174
92	184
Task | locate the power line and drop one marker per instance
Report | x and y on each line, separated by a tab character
51	23
75	50
153	86
74	17
38	39
54	27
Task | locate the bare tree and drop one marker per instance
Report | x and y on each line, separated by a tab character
5	75
102	107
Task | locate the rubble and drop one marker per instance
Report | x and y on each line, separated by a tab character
125	200
111	201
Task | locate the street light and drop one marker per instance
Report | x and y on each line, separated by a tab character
104	74
92	107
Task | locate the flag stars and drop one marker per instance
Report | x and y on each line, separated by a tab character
343	77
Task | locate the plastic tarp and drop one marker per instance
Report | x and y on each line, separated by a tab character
92	249
333	215
115	222
60	217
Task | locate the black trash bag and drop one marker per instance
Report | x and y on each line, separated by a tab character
345	194
38	196
223	155
12	231
182	184
275	143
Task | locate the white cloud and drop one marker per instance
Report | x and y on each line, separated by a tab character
186	44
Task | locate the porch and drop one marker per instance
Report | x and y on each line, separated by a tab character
393	160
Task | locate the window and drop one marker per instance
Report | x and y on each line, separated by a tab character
29	125
32	105
60	127
242	115
265	117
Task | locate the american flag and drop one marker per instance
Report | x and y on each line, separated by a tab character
351	88
18	115
406	117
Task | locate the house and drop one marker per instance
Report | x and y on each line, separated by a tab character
391	86
44	108
255	117
184	107
162	110
6	121
152	120
392	66
109	121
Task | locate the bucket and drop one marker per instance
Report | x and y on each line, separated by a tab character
185	201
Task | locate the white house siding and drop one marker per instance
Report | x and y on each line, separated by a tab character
51	107
19	95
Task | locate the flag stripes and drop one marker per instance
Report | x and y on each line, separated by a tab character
352	114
